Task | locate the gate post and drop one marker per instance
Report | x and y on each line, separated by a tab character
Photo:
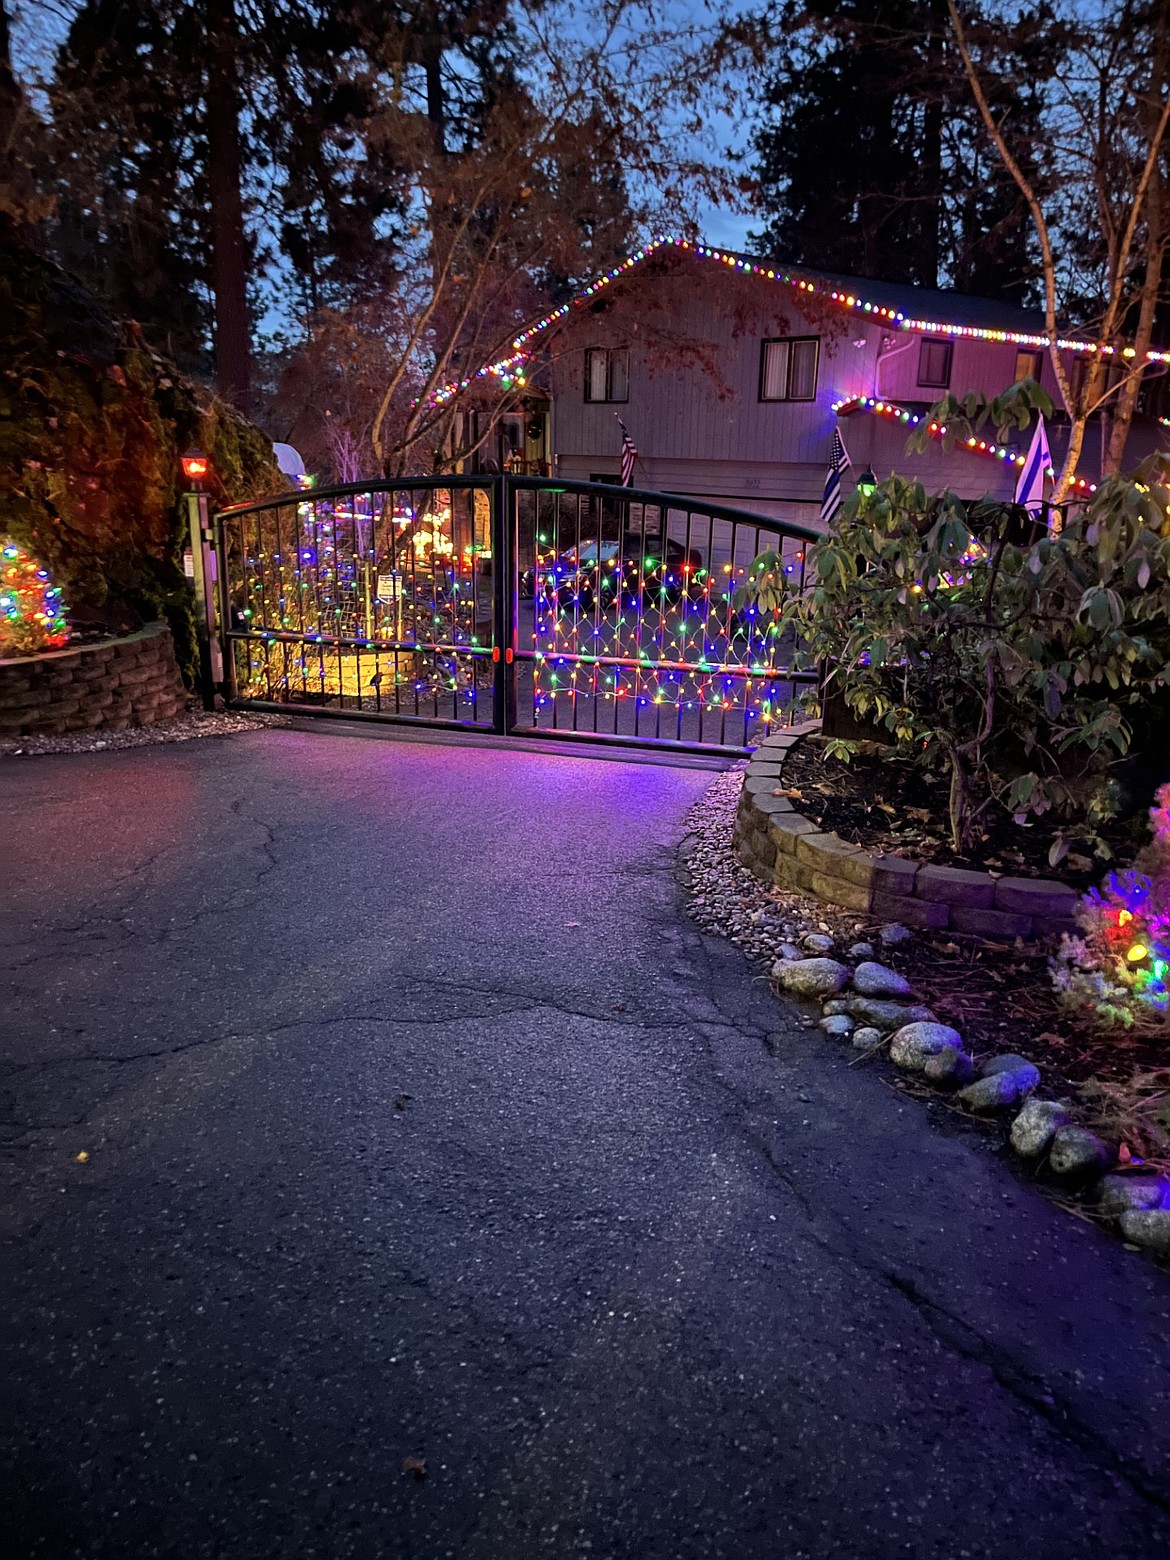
504	612
199	565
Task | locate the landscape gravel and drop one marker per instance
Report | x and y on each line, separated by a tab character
182	728
767	923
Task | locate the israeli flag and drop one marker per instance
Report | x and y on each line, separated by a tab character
1030	487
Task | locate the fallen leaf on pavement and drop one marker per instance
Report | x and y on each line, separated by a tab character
415	1465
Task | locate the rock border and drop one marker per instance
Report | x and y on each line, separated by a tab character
779	845
865	1009
872	1007
110	686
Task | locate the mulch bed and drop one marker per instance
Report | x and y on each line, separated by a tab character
884	804
998	995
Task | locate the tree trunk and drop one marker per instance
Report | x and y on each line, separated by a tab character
229	268
9	91
1158	228
1126	405
932	139
432	57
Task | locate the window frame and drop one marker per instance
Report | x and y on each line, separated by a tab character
1078	372
609	399
1037	355
936	341
790	342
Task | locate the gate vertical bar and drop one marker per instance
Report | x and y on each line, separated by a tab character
505	606
226	642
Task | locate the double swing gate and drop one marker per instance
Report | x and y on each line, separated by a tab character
518	605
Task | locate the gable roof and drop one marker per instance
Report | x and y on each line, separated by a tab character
901	307
911	302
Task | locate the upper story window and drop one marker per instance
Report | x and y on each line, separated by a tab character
1029	365
1078	376
607	374
788	368
934	362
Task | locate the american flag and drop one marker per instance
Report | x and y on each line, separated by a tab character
629	455
838	461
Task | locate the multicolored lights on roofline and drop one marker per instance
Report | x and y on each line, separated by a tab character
509	369
986	447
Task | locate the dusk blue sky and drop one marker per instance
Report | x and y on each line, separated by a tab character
39	25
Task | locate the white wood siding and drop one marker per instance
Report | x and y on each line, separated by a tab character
698	438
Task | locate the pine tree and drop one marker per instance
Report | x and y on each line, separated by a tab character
870	159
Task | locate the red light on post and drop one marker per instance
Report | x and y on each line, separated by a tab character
195	465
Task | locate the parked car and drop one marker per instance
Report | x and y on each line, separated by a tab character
648	569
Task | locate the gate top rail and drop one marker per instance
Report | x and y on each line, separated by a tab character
613	492
602	490
352	489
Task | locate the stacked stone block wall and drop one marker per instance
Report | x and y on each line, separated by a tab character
122	682
780	845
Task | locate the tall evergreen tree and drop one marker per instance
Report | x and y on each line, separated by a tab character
212	156
869	157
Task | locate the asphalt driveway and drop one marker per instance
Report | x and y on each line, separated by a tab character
419	1123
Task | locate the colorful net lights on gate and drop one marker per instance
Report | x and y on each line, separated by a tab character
663	640
339	603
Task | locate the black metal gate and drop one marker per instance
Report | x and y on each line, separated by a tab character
519	605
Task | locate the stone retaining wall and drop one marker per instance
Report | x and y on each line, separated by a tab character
779	845
122	682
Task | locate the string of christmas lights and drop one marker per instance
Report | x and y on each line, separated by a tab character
32	614
973	446
854	303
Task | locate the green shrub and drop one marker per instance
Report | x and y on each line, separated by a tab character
92	424
1018	667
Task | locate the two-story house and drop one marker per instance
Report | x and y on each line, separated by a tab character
731	374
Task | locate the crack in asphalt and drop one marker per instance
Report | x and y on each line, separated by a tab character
518	1001
123	926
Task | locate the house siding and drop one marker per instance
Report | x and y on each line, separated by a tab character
703	438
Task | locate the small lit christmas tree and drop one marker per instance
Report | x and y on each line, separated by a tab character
1120	966
32	615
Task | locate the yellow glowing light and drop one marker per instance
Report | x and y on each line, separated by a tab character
1124	917
1137	953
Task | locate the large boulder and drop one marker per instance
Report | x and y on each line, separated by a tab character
1076	1153
878	980
1148	1227
1118	1194
883	1013
914	1044
1035	1127
811	978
